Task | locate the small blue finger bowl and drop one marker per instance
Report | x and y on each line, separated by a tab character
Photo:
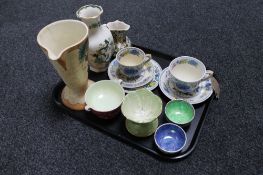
170	138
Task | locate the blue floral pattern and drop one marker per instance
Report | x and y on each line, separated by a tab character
135	52
202	93
186	61
193	63
131	51
155	81
145	77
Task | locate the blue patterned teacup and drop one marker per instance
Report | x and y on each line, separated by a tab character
131	61
187	72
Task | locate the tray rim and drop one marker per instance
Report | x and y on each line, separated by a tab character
126	141
142	148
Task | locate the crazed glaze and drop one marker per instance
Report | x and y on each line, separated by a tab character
67	52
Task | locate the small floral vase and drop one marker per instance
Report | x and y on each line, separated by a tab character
119	31
101	44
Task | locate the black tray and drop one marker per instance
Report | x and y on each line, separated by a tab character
116	127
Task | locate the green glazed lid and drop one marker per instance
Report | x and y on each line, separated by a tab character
179	112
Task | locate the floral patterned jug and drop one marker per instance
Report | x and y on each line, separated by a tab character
65	43
119	31
101	45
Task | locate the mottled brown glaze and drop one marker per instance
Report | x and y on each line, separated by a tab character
70	61
63	63
76	106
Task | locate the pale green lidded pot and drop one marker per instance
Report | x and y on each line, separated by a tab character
179	112
141	108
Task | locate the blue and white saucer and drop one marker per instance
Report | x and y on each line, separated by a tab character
203	92
157	70
149	78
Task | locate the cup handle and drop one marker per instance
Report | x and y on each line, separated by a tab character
149	57
119	81
208	75
87	108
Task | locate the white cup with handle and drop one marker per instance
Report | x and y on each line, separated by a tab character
131	61
187	73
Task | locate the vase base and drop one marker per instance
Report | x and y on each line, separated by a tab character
75	106
98	70
141	129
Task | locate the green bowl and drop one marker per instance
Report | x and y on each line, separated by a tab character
141	129
179	112
141	108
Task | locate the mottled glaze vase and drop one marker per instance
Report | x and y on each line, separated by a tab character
119	31
141	108
65	43
101	44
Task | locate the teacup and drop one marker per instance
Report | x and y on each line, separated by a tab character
131	61
187	72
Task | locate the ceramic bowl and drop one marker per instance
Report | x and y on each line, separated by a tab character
179	112
104	98
170	138
141	109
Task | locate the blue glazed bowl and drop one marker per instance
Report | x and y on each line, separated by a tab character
170	138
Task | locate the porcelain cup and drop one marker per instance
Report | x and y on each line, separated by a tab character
187	80
135	70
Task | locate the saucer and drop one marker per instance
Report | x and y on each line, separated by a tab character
157	70
202	93
131	83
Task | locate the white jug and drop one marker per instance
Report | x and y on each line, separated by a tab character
65	43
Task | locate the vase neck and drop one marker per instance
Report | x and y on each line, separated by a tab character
90	14
93	23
